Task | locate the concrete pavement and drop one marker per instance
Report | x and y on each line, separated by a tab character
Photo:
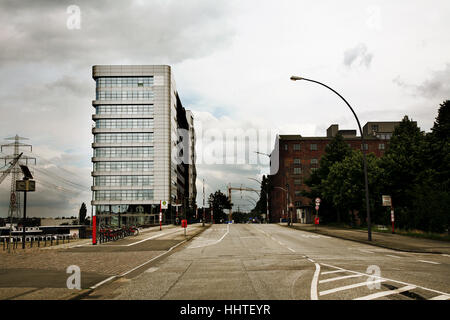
253	261
41	273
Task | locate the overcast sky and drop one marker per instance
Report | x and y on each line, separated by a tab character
231	60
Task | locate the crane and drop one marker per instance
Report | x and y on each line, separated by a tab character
11	166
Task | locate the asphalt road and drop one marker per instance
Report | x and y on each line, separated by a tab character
254	261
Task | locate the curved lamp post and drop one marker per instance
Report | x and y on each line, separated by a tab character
369	231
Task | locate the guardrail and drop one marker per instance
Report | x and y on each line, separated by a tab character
37	240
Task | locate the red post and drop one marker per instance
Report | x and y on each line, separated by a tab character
94	229
160	215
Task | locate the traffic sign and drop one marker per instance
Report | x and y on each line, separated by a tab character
386	201
317	207
316	220
164	204
317	201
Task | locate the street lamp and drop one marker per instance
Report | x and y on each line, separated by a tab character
369	232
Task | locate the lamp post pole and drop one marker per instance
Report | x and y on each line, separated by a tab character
369	231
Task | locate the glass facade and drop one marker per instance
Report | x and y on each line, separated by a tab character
123	194
123	166
124	123
125	109
124	82
124	137
124	95
123	152
112	181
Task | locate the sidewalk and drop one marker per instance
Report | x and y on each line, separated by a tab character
41	273
380	239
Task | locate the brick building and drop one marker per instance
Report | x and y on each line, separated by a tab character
299	156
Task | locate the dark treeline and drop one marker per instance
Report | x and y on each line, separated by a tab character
414	171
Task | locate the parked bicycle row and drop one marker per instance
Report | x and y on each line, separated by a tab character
108	233
44	240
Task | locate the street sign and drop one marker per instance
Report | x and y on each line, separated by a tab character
318	201
164	204
317	207
184	223
25	185
316	220
386	201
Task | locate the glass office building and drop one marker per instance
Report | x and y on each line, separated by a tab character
135	129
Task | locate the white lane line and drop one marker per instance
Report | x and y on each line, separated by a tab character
385	293
366	251
425	261
291	249
441	297
446	255
365	283
140	241
334	271
341	278
102	282
314	282
143	264
215	242
390	255
311	260
387	279
152	269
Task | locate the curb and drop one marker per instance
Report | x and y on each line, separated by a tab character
86	292
365	241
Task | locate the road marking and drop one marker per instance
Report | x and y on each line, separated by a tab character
365	283
385	293
215	242
390	255
334	271
291	249
152	269
446	255
441	297
102	282
140	241
366	251
314	282
143	264
341	278
386	279
425	261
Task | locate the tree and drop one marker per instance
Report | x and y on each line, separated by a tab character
335	152
402	163
82	213
218	202
344	185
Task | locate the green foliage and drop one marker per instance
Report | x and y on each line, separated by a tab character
415	171
219	202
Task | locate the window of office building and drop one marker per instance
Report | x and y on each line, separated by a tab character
296	147
314	161
125	109
123	194
123	152
113	181
297	170
297	161
124	95
124	82
313	146
146	137
123	166
124	123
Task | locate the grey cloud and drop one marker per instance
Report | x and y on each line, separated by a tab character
168	31
359	52
435	86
